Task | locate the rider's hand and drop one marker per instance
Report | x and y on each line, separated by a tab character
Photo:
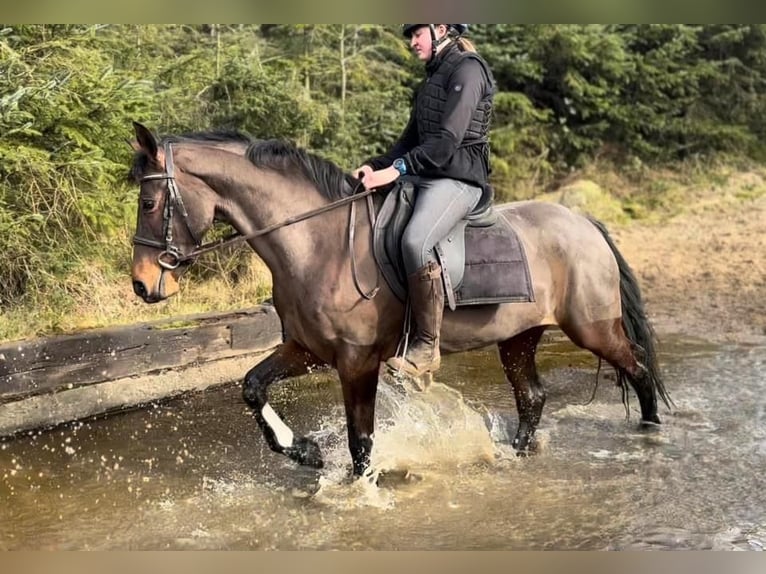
380	178
362	172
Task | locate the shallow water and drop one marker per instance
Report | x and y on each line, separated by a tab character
195	472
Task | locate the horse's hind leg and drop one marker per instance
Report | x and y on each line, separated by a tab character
607	339
288	360
518	357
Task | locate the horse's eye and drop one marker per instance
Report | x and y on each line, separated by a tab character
147	204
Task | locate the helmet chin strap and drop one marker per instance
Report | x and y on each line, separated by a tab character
435	42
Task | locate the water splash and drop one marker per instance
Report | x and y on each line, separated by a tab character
435	427
415	432
350	494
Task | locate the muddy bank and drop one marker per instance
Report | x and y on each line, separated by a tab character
703	271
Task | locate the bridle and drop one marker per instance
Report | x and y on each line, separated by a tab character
173	202
171	256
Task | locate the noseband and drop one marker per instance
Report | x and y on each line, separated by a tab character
170	256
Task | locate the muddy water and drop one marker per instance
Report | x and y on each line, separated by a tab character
195	473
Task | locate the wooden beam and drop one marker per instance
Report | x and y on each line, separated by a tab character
29	368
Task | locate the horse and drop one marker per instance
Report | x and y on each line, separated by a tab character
297	212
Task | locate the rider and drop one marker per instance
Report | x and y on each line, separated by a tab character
445	147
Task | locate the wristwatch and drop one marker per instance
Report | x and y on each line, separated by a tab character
400	166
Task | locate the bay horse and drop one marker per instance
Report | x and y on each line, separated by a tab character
296	209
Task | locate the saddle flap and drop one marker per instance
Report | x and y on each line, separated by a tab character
386	238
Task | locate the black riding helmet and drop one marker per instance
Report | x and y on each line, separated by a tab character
456	29
407	29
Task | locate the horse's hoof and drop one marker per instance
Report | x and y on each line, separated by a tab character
650	426
305	452
523	447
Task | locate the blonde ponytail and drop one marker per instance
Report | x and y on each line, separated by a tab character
465	45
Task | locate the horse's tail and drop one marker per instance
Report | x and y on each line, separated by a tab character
634	320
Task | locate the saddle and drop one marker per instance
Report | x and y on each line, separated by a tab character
483	261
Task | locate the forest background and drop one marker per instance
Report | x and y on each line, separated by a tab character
646	115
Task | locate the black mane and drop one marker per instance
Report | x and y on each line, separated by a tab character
289	160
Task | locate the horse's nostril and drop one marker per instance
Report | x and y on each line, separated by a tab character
139	289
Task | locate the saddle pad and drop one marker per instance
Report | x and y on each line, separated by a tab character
496	267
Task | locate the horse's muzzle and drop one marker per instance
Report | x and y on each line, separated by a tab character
140	289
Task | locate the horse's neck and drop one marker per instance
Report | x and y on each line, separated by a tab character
251	199
295	251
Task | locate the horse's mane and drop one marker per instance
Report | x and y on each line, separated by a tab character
289	160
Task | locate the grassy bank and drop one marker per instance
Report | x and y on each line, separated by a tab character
96	291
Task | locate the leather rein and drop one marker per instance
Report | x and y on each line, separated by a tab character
171	256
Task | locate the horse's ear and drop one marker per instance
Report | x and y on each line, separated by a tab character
134	145
145	140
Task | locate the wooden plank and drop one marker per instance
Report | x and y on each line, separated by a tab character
46	365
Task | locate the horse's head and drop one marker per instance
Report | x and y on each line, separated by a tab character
173	215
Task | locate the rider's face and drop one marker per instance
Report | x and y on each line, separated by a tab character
420	41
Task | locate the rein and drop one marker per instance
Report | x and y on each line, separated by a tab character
238	237
174	201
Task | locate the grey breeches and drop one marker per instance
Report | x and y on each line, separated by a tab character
439	205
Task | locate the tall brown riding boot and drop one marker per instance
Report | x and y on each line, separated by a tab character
427	300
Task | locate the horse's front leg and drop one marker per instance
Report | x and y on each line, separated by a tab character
288	360
358	371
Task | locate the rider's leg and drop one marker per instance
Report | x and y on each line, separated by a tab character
439	205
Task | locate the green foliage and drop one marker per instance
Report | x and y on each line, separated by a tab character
250	99
520	145
656	92
62	156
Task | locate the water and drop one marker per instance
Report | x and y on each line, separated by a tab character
194	473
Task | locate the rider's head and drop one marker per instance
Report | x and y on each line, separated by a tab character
427	39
